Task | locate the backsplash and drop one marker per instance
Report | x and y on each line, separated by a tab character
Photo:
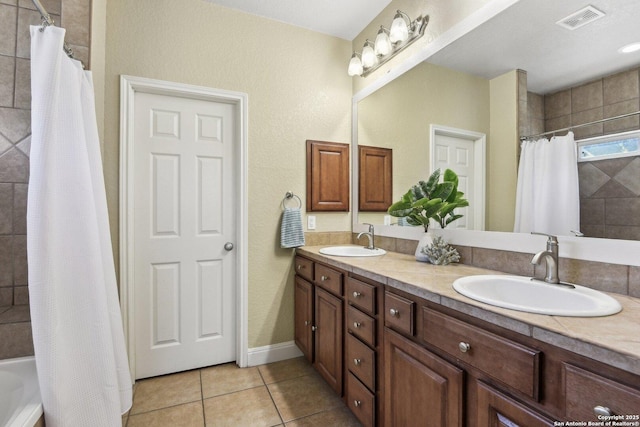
15	139
620	279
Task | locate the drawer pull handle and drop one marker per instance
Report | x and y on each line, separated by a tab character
323	278
356	294
357	362
464	347
602	410
356	324
357	403
314	328
393	312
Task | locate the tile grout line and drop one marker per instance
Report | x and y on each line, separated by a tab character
204	416
271	396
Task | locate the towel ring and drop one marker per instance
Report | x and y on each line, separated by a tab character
289	195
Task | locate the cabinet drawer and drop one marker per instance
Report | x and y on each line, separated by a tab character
361	401
497	409
361	361
399	313
585	391
361	325
304	268
507	361
361	295
329	279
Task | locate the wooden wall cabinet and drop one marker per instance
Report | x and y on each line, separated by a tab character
327	176
375	178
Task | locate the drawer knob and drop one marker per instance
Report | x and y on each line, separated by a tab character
464	347
306	323
323	278
314	328
356	294
393	312
602	410
356	324
357	403
299	267
357	362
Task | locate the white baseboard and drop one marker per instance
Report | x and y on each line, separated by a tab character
273	353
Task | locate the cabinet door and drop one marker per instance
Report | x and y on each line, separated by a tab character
328	338
498	410
420	389
327	176
589	395
375	178
303	295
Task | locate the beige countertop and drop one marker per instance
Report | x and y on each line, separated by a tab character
614	340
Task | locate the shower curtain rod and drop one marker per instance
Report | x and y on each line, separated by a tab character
524	138
46	21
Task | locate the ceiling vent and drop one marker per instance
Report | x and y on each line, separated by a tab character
580	18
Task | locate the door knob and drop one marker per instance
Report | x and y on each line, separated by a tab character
228	246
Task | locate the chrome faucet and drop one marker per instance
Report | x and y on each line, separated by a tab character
550	256
370	235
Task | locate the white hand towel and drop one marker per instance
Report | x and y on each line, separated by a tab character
291	233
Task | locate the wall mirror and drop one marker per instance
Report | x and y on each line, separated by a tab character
450	89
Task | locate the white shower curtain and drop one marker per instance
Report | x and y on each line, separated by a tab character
77	328
547	195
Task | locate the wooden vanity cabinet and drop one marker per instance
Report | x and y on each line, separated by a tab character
462	374
319	318
303	317
404	360
588	394
363	349
421	389
498	409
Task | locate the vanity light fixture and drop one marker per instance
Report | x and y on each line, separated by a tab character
388	43
383	45
369	57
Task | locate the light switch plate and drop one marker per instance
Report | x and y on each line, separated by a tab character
311	222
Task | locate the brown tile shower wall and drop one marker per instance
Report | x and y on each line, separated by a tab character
609	189
15	129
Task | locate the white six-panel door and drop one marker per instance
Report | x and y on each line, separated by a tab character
184	231
463	152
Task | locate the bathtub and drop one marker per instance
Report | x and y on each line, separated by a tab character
20	404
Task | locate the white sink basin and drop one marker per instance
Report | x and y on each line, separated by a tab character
533	296
351	251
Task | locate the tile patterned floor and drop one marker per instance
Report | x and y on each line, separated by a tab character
287	393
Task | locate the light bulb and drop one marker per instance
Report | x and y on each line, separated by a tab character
369	58
399	32
355	66
383	46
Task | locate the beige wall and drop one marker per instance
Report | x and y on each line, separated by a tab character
501	152
298	89
398	116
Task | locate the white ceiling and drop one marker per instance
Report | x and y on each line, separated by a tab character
526	37
339	18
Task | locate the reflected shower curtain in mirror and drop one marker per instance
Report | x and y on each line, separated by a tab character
547	195
77	328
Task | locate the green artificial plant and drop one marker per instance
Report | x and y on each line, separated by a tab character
431	199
